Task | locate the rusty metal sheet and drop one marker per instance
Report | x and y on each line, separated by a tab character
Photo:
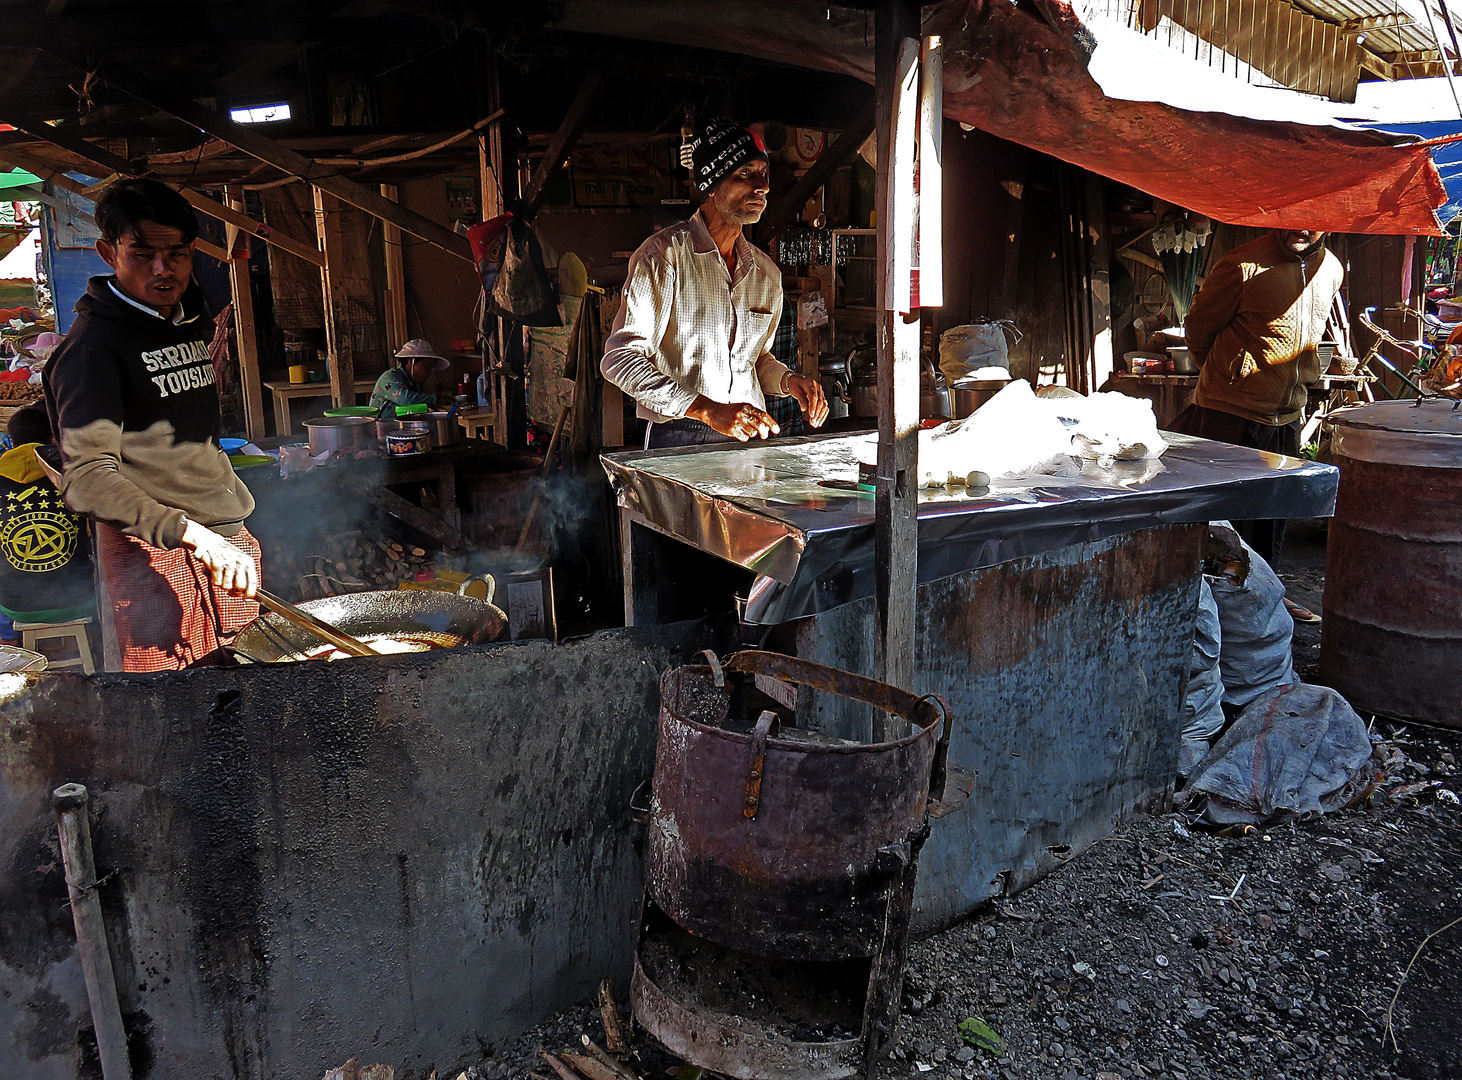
760	506
801	870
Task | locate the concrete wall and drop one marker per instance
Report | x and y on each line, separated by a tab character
1065	675
403	859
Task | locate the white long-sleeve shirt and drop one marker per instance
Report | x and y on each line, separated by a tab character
688	326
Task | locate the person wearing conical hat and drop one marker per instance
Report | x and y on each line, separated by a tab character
405	385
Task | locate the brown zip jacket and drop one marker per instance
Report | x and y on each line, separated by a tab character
1255	327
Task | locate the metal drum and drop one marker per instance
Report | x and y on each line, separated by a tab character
784	843
1392	641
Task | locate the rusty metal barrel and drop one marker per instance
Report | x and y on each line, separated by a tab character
1392	639
786	843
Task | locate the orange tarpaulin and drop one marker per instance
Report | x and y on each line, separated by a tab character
1021	73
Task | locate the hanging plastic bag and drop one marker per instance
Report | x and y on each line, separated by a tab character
976	350
514	277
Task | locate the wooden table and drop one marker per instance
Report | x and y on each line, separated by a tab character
285	392
477	422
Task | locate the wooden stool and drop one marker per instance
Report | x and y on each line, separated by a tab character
31	634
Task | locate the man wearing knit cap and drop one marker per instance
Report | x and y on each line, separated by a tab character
701	304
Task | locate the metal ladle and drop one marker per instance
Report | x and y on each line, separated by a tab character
323	630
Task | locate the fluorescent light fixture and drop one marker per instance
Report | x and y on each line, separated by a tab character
261	114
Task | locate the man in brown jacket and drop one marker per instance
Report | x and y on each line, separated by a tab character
1254	331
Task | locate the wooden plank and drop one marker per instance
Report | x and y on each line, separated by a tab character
245	332
896	499
405	510
100	162
267	150
396	332
563	141
338	344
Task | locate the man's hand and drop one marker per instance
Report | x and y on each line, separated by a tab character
738	420
231	569
807	392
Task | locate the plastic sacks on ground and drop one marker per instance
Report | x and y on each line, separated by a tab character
1018	433
1294	753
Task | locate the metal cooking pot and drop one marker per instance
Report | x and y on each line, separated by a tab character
444	618
970	394
339	433
1183	362
778	841
445	431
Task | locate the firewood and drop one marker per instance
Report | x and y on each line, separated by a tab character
589	1067
614	1036
623	1072
564	1072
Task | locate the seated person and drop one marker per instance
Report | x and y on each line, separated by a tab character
45	554
404	385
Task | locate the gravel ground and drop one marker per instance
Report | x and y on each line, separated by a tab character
1166	951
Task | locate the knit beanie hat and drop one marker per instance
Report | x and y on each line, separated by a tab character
718	148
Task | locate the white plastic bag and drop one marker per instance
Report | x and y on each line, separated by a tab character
1203	702
1293	753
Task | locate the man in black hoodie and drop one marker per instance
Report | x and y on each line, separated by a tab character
134	407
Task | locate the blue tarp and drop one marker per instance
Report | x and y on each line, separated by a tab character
1447	156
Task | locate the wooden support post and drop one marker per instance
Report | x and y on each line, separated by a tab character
896	532
244	330
396	332
337	305
931	173
74	827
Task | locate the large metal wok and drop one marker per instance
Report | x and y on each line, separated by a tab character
442	619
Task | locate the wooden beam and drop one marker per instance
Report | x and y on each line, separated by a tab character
245	333
338	344
281	157
76	187
396	332
100	162
563	141
930	261
405	510
828	162
896	526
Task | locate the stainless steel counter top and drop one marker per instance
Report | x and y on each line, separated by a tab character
760	506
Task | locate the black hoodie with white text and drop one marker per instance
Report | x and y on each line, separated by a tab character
133	403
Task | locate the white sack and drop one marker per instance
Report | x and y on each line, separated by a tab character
1257	633
1203	702
1291	754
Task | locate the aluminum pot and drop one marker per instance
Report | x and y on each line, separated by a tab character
339	433
935	400
1183	362
384	426
443	427
970	394
775	841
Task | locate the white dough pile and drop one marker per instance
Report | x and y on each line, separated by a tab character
1017	433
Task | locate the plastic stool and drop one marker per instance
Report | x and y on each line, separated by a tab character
31	634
